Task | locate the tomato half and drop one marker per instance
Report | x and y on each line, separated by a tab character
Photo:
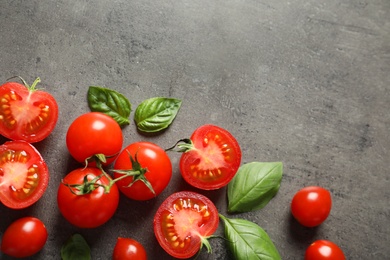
24	175
311	206
94	134
182	221
89	206
24	237
154	167
127	249
26	113
213	160
324	250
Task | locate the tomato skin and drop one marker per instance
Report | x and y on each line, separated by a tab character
215	151
24	237
182	220
94	133
23	169
28	115
311	206
324	250
127	249
151	157
88	210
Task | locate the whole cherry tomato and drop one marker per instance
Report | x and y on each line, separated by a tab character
151	167
311	206
87	198
324	250
127	249
211	157
24	175
94	135
183	221
24	237
26	113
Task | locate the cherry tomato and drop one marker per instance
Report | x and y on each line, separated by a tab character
324	250
24	175
127	249
311	205
94	134
182	221
24	237
89	205
154	168
26	113
212	160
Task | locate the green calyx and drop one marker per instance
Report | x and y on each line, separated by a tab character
88	186
136	172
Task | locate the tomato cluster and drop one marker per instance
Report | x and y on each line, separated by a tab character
89	196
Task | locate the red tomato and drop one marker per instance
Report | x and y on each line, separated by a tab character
94	133
182	221
213	160
324	250
24	237
24	175
310	206
26	113
91	205
127	249
155	168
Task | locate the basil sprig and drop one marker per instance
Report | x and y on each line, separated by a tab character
247	240
109	102
76	248
156	114
254	185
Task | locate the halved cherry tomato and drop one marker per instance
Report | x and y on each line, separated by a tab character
24	237
311	206
183	222
93	135
211	158
84	199
127	249
24	175
151	166
26	113
324	250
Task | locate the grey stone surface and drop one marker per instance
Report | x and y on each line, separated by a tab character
302	82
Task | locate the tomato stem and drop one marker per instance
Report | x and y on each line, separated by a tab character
183	145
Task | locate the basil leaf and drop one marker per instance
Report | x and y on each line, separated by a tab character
76	248
247	240
156	114
254	185
109	102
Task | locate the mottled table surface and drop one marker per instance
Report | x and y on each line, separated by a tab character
302	82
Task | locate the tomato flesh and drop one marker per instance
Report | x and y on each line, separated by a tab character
182	220
24	175
28	115
24	237
214	159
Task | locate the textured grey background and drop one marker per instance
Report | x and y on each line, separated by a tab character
302	82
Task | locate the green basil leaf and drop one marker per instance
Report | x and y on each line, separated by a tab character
247	240
156	114
109	102
76	248
254	185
